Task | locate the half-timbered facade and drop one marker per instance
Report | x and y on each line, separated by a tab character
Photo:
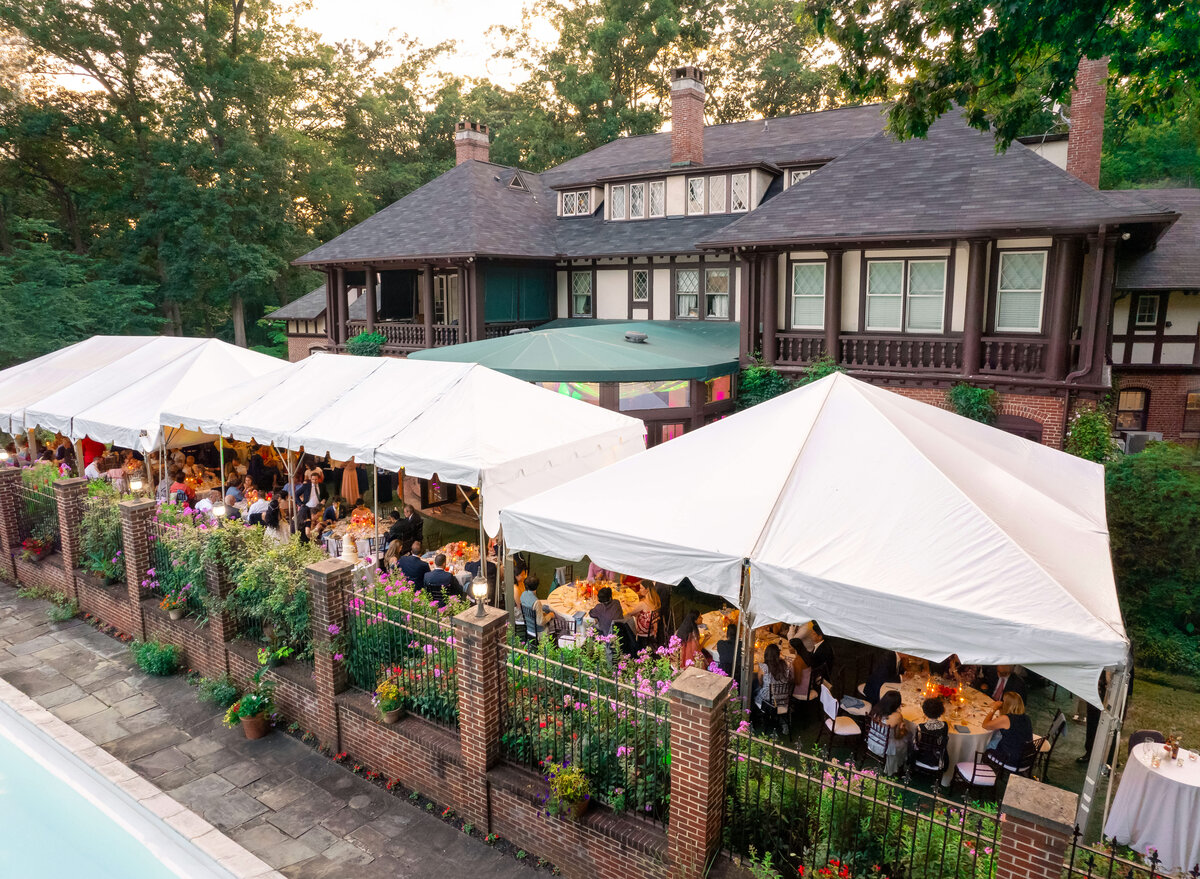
914	264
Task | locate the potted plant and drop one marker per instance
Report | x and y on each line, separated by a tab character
175	604
34	549
253	709
570	791
387	698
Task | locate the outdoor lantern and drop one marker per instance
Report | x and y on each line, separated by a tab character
3	455
479	588
218	511
135	484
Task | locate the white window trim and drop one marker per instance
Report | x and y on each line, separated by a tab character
645	299
662	184
941	327
728	294
749	196
1041	297
720	208
1137	309
586	193
867	304
629	201
791	313
699	294
612	203
688	194
591	293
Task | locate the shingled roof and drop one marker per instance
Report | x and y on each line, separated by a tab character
470	210
310	306
950	183
1174	264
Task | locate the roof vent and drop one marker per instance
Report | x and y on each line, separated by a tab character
516	331
635	337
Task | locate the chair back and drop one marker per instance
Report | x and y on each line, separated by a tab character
879	736
1028	759
931	748
828	703
531	625
1145	735
1057	725
779	694
887	688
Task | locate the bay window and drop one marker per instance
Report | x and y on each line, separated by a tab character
906	295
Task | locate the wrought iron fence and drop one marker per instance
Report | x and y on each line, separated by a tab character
618	732
177	569
37	518
1107	861
101	545
813	814
388	638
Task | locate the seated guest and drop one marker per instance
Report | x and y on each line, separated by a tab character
303	521
473	567
595	572
316	530
391	558
931	737
274	526
886	735
335	510
820	658
1008	717
412	566
92	470
231	510
885	670
439	582
688	634
254	512
727	649
645	615
232	490
913	667
206	503
361	514
774	669
1000	680
529	607
415	524
606	611
180	491
249	490
395	527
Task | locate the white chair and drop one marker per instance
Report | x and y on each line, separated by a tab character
887	688
804	691
854	706
836	726
977	773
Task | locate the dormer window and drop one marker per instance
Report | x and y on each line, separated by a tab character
616	203
577	204
695	193
798	174
716	195
518	183
739	193
658	198
637	201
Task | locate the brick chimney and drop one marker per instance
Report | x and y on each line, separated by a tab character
470	142
1087	120
687	115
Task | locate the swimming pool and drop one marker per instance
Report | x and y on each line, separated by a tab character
60	818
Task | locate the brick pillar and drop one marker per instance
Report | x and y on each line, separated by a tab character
1088	102
480	702
699	758
10	531
70	494
135	537
328	583
1037	823
221	626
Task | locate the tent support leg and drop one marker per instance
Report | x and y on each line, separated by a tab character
34	451
375	500
1110	724
482	537
745	638
221	456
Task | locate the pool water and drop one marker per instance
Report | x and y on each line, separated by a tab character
59	818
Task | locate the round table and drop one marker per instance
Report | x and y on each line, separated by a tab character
967	735
568	602
712	628
1159	808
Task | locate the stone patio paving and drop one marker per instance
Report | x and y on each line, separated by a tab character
295	809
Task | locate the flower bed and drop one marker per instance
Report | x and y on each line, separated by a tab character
101	544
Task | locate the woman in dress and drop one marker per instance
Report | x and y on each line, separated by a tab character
1008	717
773	669
350	482
689	638
887	735
645	615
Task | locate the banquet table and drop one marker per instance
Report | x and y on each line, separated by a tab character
967	735
1159	808
569	602
764	639
712	627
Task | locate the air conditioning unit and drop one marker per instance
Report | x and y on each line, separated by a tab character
1135	440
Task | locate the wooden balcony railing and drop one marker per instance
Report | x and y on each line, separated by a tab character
799	348
1006	356
405	336
495	331
901	353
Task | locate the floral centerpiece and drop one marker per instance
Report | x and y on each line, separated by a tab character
252	710
570	791
387	696
458	553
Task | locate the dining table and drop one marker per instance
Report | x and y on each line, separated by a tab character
573	600
963	718
1157	806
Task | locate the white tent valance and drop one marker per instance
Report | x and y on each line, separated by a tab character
117	393
462	422
889	521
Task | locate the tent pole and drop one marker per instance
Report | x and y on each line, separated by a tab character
221	454
375	499
78	446
1109	724
745	637
33	445
482	535
1119	719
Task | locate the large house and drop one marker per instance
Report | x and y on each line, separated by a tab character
915	264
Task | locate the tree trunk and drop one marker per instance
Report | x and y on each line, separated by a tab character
237	312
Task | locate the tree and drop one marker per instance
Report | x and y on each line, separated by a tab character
929	55
1151	152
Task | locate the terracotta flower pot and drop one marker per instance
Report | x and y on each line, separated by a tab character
392	716
175	613
576	810
256	727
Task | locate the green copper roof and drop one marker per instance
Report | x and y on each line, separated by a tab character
596	350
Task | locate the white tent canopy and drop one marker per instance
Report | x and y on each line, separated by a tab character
462	422
119	399
889	521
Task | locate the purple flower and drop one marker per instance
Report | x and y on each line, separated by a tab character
622	751
337	657
334	629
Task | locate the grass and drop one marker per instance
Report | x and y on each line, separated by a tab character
1169	703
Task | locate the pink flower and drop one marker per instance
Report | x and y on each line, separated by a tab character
334	629
337	657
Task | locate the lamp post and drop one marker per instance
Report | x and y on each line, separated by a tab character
135	484
479	589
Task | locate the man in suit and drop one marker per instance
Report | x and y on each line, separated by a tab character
885	670
820	658
440	583
414	524
727	649
1000	680
411	565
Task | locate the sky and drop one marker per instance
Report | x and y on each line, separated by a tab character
430	21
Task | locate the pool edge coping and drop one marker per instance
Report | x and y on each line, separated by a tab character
230	855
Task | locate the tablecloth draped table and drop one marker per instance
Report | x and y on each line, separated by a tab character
569	602
962	746
1159	808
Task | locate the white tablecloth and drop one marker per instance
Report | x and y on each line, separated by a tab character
961	747
1159	808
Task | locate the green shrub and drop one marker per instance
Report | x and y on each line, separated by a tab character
759	383
221	691
366	344
978	404
62	610
155	658
100	531
272	588
1089	435
818	369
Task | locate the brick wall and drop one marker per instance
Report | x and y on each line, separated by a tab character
687	116
1087	120
109	603
300	347
1047	411
46	574
201	652
1168	395
1037	826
